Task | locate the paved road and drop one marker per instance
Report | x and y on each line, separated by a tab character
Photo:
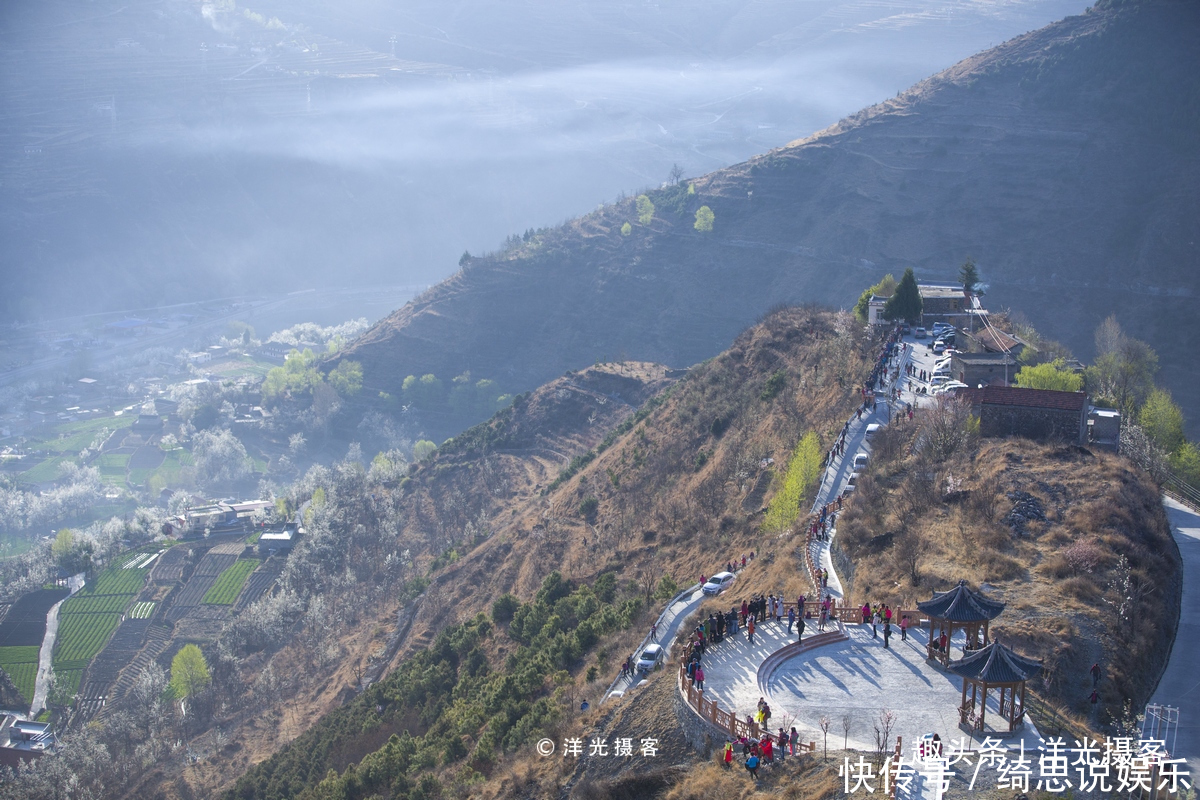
669	623
1180	684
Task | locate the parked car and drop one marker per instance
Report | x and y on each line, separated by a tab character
872	429
938	380
860	462
718	583
650	658
853	479
919	333
939	347
941	327
950	386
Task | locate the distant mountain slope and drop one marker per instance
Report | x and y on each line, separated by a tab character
1063	161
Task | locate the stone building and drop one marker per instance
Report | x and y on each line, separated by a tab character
1038	414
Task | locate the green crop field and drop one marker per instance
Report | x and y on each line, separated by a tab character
96	603
71	437
119	581
170	473
21	665
81	636
13	545
229	583
112	466
44	472
142	611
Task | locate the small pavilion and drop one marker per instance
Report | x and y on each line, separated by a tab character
958	608
994	667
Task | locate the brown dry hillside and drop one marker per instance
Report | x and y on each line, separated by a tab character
678	489
1075	541
679	492
1063	161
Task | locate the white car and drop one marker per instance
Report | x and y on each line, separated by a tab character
852	480
938	380
860	462
873	429
718	583
950	386
650	658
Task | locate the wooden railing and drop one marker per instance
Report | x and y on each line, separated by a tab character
726	720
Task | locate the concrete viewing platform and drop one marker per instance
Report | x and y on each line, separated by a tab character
855	676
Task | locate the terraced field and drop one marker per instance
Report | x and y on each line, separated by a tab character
80	637
96	604
229	583
87	620
197	587
142	611
21	665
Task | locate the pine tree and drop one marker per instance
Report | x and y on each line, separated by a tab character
905	304
968	275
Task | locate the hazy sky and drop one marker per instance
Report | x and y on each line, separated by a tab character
162	151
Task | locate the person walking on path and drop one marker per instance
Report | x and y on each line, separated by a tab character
791	619
700	677
750	630
904	628
876	618
887	634
1095	674
752	766
654	632
783	743
800	629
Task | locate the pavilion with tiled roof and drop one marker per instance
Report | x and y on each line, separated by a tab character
958	608
994	667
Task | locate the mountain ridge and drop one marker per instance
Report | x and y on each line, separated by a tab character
1058	160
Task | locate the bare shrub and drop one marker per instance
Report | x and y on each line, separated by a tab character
1000	567
1084	556
985	499
1057	566
1081	588
946	428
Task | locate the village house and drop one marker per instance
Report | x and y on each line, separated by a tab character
1039	414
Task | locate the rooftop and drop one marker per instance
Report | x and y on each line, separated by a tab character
996	664
961	604
940	290
985	358
1025	398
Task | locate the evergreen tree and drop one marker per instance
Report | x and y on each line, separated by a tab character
905	304
968	275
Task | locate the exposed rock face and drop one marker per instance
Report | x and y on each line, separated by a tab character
1063	161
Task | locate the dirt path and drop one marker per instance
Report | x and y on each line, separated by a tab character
42	684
